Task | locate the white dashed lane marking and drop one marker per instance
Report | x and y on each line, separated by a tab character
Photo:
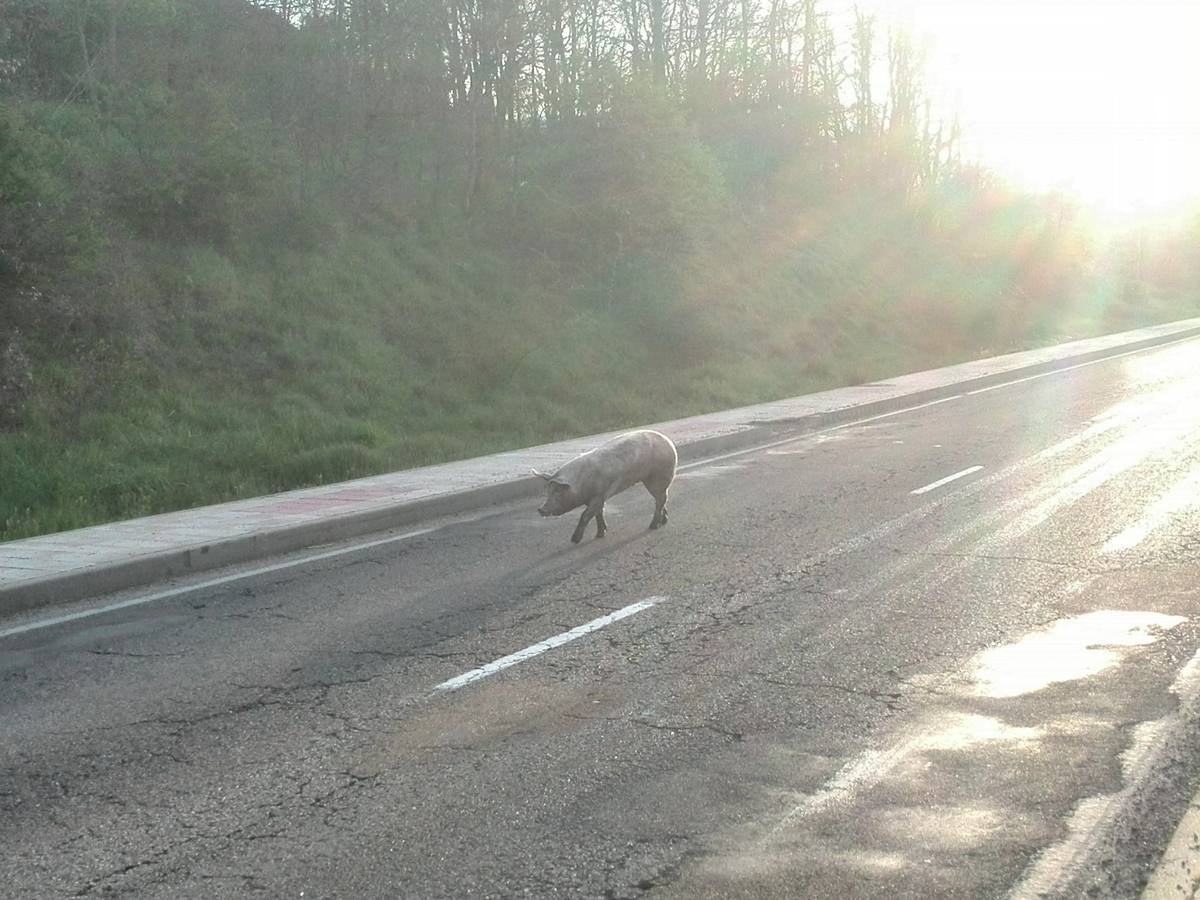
947	480
549	644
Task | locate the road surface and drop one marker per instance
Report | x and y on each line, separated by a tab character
943	652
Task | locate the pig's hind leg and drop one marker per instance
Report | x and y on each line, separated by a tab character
658	490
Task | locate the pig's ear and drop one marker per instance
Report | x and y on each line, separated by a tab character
553	479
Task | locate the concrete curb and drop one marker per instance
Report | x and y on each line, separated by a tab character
148	568
140	568
1177	875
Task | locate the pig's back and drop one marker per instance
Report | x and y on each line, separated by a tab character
623	462
638	456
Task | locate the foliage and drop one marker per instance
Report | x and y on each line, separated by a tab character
45	218
638	181
249	246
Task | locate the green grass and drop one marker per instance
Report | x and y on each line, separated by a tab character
208	291
381	352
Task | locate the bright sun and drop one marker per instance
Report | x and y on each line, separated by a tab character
1096	97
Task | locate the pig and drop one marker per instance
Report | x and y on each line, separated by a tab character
592	477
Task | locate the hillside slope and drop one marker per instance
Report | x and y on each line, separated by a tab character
202	300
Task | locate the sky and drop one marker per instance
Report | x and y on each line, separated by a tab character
1098	98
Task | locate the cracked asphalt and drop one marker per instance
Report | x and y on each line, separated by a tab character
835	699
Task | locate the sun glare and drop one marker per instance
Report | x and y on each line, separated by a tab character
1097	98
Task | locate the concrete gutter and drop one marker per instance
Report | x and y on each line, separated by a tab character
1177	875
88	562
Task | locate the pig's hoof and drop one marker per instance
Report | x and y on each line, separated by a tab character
654	525
576	538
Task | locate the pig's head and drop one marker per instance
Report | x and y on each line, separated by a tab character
561	497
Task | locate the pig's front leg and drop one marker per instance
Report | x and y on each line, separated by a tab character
593	511
588	513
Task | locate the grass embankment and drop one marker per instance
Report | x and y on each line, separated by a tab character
380	352
241	253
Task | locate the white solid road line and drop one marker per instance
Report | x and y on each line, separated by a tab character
212	582
1093	362
542	646
757	448
946	480
1183	495
862	772
1090	828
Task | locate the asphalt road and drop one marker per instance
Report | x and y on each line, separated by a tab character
829	678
